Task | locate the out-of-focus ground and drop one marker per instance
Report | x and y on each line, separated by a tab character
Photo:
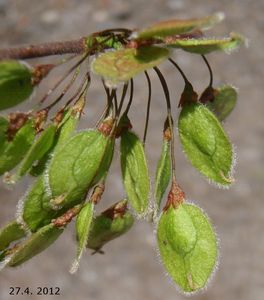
130	269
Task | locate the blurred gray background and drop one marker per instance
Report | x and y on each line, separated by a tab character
130	268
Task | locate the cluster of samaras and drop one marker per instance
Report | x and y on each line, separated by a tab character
71	167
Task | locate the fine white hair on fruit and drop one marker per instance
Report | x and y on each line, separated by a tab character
216	266
20	211
230	174
46	178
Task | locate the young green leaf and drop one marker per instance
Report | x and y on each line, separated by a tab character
110	224
83	225
10	233
224	101
134	171
74	167
14	151
174	27
122	65
35	244
37	150
205	143
163	172
207	45
187	245
15	83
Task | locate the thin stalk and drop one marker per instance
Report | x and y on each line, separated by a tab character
148	108
66	59
118	108
49	107
85	83
122	100
188	89
65	90
86	86
82	89
115	102
76	65
110	96
165	89
167	97
130	97
210	70
108	106
180	70
106	88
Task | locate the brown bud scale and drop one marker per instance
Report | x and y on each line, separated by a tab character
176	196
40	72
16	121
66	218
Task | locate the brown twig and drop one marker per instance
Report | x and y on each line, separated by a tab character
45	49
